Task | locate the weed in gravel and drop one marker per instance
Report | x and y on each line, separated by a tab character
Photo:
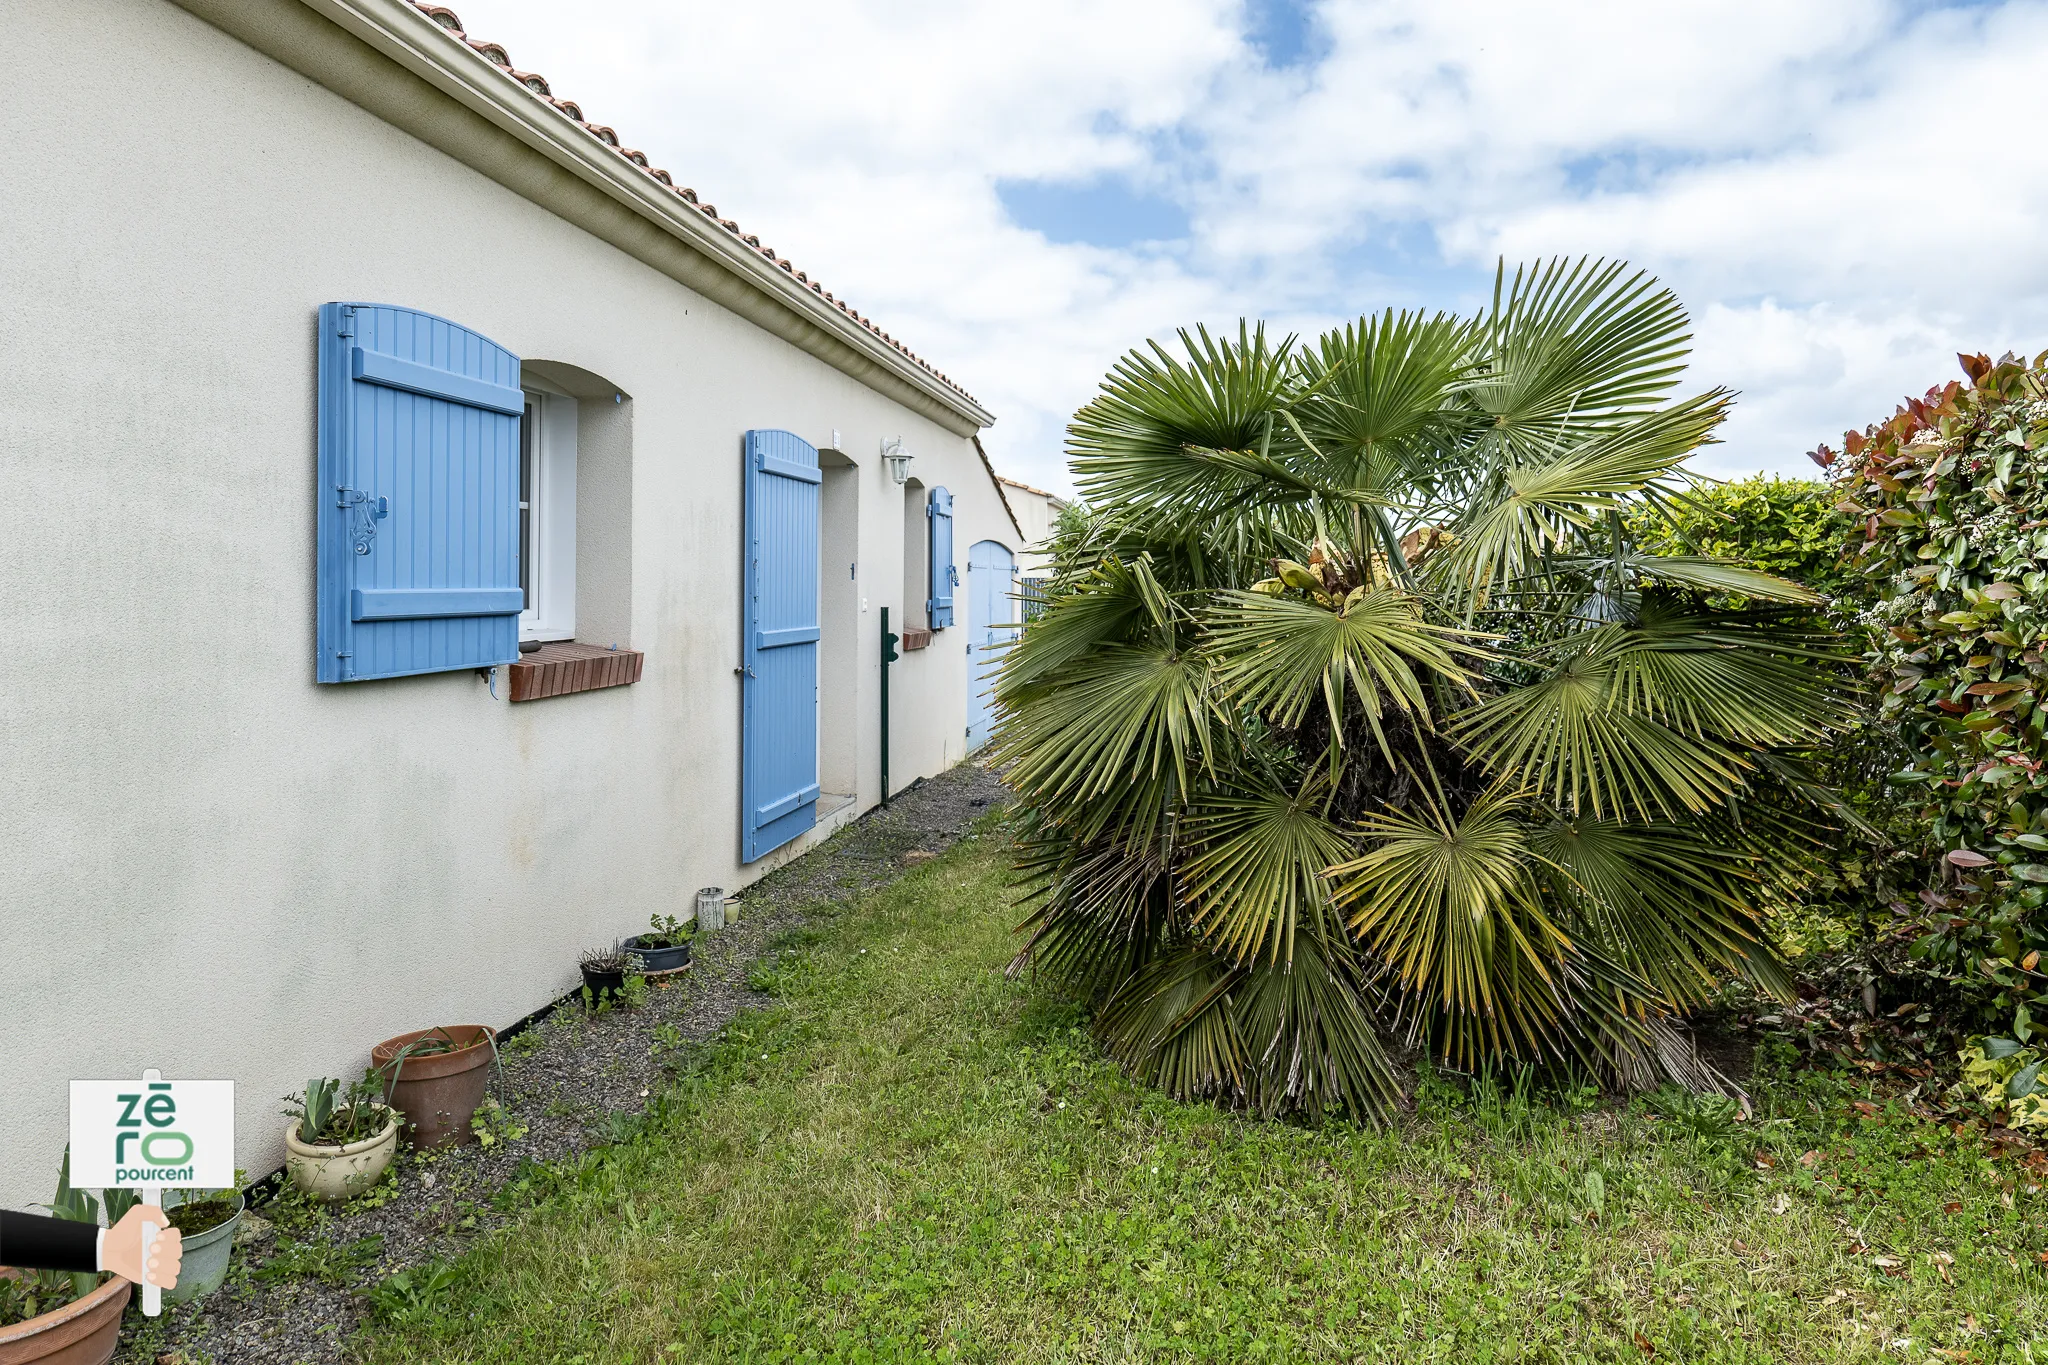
413	1297
524	1043
494	1124
327	1262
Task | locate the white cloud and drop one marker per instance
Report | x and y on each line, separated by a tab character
1842	190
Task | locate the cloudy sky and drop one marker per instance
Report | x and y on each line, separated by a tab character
1844	192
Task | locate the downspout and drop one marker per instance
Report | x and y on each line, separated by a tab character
889	656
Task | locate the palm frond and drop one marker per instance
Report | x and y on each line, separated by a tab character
1278	654
1382	389
1663	902
1170	1023
1172	434
1701	573
1443	900
1098	910
1309	1037
1112	603
1573	348
1544	505
1742	676
1564	739
1256	875
1123	726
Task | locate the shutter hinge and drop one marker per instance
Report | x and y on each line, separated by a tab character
367	512
348	323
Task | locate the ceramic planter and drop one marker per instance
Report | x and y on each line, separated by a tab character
335	1172
438	1093
82	1332
206	1255
657	959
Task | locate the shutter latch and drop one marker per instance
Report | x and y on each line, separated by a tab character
367	512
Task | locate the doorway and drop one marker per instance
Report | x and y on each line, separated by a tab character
839	675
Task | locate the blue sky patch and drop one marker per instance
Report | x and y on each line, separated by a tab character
1402	265
1105	212
1284	31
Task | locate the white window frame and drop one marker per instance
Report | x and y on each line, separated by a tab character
550	548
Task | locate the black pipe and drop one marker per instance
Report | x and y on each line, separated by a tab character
889	656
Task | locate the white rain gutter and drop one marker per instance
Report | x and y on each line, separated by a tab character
388	57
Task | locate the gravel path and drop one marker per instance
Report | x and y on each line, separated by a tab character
568	1078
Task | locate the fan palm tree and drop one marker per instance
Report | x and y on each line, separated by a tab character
1355	713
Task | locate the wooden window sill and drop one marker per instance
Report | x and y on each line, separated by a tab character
916	637
562	666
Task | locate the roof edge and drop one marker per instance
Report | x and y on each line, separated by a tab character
997	481
726	270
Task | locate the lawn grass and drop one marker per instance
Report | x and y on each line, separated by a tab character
912	1158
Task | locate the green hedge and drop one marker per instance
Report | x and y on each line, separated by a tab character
1787	527
1949	500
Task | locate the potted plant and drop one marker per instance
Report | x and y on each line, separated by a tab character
59	1317
207	1220
436	1078
43	1320
604	974
335	1150
665	947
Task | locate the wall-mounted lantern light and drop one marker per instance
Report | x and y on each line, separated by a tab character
898	460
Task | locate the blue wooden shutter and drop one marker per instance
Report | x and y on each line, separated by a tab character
779	731
419	496
944	577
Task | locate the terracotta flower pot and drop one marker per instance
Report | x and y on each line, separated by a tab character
438	1092
82	1332
334	1172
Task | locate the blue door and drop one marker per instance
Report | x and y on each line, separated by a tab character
990	572
779	729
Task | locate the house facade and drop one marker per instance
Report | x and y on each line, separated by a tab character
1037	512
435	542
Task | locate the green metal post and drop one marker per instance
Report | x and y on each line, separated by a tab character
889	656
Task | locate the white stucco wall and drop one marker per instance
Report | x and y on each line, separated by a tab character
1036	510
209	863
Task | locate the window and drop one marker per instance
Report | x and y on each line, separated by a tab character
547	513
1031	598
917	536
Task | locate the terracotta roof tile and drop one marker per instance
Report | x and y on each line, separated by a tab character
537	86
